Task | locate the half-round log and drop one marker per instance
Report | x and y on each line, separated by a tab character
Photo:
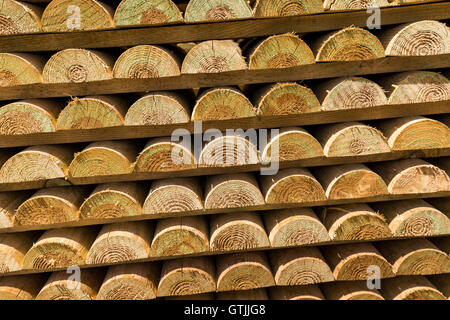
410	288
215	10
308	292
23	287
350	290
142	12
253	294
20	68
9	203
339	5
19	17
13	248
277	8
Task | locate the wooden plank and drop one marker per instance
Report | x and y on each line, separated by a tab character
244	28
200	80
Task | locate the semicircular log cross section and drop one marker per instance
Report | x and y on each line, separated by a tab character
20	69
284	8
216	10
19	17
142	12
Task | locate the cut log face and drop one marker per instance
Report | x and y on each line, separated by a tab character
60	287
77	66
232	191
254	294
146	61
410	288
281	51
442	283
121	242
173	195
350	93
349	44
92	113
60	248
49	206
243	271
113	200
285	99
337	5
19	17
141	12
294	227
183	277
416	87
158	108
351	181
414	257
9	203
291	144
200	296
222	104
421	38
229	150
351	139
293	185
308	292
180	236
37	163
103	159
130	282
411	176
299	266
215	10
413	218
214	56
27	117
73	15
355	222
277	8
23	287
19	69
358	261
164	155
415	133
13	248
350	290
237	231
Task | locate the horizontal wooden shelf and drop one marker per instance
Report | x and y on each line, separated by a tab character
203	170
135	132
245	28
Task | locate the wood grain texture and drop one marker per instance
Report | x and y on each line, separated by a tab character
410	288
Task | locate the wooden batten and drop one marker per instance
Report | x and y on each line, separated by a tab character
37	163
338	5
413	218
214	56
349	93
294	227
9	203
13	248
58	16
283	8
113	200
23	287
60	287
280	51
350	181
223	103
442	283
308	292
164	155
174	195
78	66
410	288
103	159
291	143
92	113
243	271
188	276
421	38
350	290
146	61
350	139
299	266
180	236
411	176
356	261
60	248
20	69
349	44
121	242
28	116
232	191
50	206
130	282
354	222
216	10
414	257
293	185
253	294
141	12
19	17
237	231
158	108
